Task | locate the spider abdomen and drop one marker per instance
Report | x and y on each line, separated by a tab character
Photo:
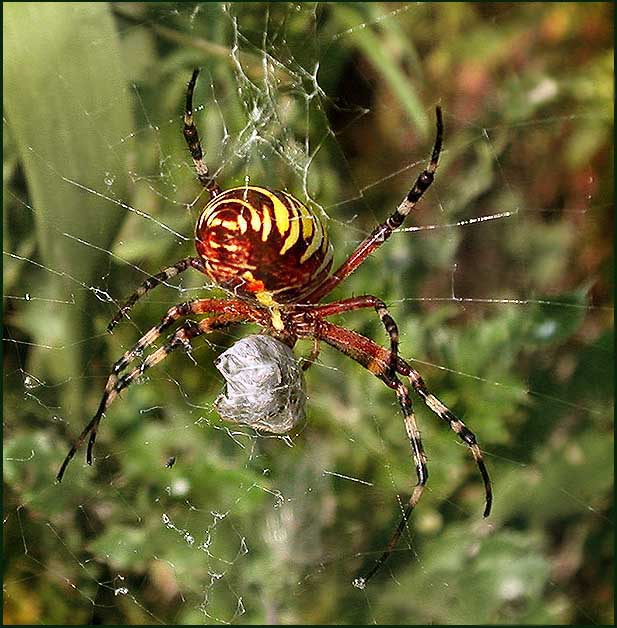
254	240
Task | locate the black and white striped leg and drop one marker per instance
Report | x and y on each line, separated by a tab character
376	360
392	330
457	426
383	231
423	182
152	282
197	306
115	384
173	314
419	458
192	139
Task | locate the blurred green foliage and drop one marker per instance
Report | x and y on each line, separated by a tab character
509	320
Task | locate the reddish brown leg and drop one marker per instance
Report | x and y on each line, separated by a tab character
229	311
198	306
357	303
381	233
377	360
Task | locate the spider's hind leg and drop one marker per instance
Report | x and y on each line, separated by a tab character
379	361
152	282
419	457
376	359
192	140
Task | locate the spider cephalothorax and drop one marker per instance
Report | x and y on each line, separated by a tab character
272	253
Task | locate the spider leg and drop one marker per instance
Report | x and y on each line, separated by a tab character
229	310
115	386
152	282
181	338
456	425
192	139
356	303
413	434
198	306
383	231
329	333
309	360
376	359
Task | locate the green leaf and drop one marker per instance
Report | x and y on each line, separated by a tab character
66	117
351	16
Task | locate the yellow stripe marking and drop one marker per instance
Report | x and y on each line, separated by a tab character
287	218
305	215
242	223
281	213
326	260
255	219
267	223
318	239
307	222
212	210
294	233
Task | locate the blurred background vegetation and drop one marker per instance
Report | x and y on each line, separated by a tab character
509	319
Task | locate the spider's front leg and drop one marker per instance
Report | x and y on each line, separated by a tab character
377	360
229	312
366	301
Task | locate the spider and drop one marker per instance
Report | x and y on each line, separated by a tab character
273	254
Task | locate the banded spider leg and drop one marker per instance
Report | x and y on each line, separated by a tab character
377	360
228	312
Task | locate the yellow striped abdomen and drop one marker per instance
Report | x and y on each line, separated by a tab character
258	241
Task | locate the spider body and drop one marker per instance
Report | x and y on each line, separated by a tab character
263	244
272	254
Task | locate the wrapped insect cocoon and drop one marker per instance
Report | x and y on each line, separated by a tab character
264	385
